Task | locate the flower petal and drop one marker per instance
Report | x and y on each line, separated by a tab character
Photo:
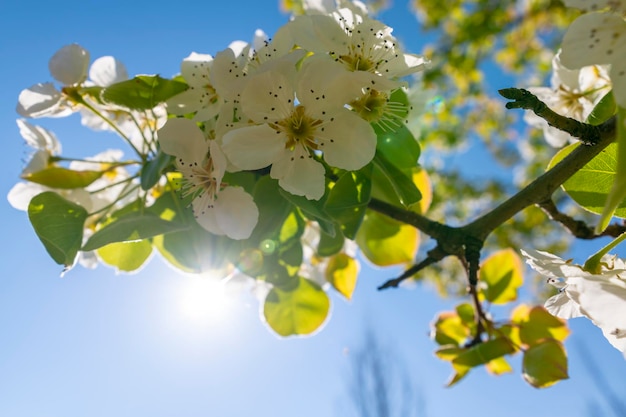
268	97
195	69
107	70
206	217
236	212
300	175
349	142
253	147
41	100
69	64
39	138
594	39
183	139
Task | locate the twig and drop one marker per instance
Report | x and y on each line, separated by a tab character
524	99
579	228
434	256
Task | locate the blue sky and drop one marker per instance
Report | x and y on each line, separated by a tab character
98	344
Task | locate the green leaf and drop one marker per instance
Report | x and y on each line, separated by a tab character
342	272
594	263
386	174
142	92
449	329
330	245
273	210
126	256
133	226
591	185
153	169
385	241
348	199
298	312
484	352
502	274
59	225
605	108
617	194
312	209
545	364
399	147
63	178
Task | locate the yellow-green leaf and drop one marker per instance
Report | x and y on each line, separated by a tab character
545	364
499	366
591	185
501	274
300	311
449	329
540	325
385	241
63	178
342	272
126	256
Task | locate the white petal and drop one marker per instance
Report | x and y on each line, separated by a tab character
268	97
594	39
69	64
561	306
41	100
39	138
20	195
183	139
219	161
618	78
593	5
236	212
253	147
107	70
300	175
188	101
38	161
227	74
349	141
206	217
195	69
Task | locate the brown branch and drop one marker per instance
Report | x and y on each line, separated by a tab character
579	228
434	256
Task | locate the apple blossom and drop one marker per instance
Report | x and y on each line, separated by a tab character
295	121
572	93
217	207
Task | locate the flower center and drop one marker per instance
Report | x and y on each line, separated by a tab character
357	62
299	128
375	107
199	181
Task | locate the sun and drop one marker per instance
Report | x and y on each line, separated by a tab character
203	299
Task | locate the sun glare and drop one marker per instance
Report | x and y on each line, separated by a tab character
204	299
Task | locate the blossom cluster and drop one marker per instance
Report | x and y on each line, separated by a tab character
298	104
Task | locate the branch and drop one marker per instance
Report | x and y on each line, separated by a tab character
524	99
579	228
434	256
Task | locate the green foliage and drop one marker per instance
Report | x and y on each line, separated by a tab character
153	170
63	178
131	227
501	275
299	311
143	92
591	185
59	225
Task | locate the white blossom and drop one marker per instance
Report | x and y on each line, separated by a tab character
601	297
296	120
572	93
219	208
